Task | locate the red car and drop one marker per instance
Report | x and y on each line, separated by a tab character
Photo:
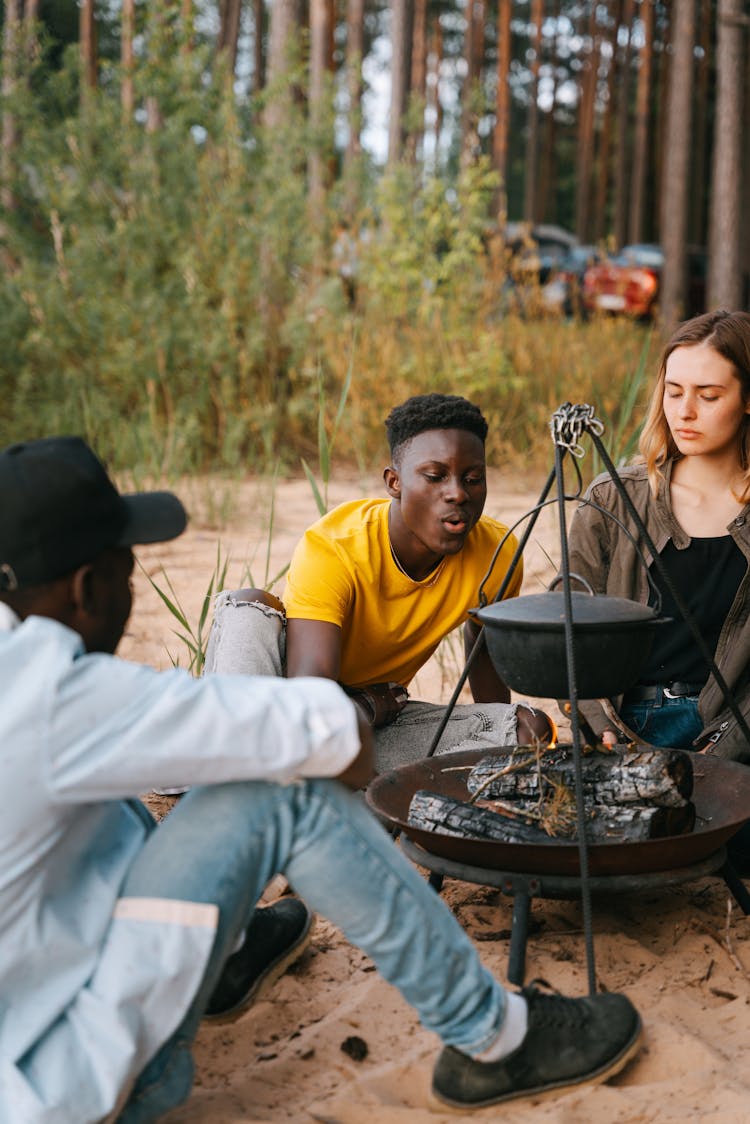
629	282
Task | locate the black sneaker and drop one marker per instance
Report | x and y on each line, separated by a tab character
568	1042
275	938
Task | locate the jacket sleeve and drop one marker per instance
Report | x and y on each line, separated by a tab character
116	729
589	545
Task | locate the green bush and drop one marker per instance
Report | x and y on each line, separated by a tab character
169	294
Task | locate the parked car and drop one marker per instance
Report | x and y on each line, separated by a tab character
537	249
563	292
629	282
529	255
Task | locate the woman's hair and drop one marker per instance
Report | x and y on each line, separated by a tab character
432	411
728	333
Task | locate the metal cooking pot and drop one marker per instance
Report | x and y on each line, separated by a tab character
526	641
721	796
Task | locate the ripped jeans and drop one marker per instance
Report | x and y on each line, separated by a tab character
250	638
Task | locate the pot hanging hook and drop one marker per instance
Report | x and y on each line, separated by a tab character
568	424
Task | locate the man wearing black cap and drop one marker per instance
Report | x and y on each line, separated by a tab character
117	936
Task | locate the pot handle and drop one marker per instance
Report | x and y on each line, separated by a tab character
578	578
652	585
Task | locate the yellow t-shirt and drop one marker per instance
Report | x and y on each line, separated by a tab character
343	572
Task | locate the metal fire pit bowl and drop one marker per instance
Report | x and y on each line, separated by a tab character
721	796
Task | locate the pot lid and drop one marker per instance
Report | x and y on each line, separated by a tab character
547	610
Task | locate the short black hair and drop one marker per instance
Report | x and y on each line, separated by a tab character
432	411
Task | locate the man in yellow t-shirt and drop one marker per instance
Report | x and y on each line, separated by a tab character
375	585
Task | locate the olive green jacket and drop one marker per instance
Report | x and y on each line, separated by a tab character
601	552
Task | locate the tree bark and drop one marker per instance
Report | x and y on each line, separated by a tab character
502	108
127	60
622	155
532	116
586	104
471	93
605	130
701	173
230	12
642	118
283	32
402	17
676	167
434	104
725	273
259	59
549	133
355	39
316	164
87	26
11	47
418	75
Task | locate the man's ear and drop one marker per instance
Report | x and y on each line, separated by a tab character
83	590
392	482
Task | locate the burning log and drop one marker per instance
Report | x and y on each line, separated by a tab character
632	823
660	777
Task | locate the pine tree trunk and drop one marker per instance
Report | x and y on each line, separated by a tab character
586	104
549	135
87	26
355	39
282	38
532	116
418	75
605	130
471	93
642	118
230	12
622	154
11	47
316	164
435	60
502	108
701	173
127	60
676	167
259	59
402	15
724	250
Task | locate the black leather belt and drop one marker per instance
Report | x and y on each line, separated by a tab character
670	690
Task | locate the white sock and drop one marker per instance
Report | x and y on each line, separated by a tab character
512	1032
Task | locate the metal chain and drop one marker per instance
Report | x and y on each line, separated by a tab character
569	422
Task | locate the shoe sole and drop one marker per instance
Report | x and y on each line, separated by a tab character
267	979
542	1092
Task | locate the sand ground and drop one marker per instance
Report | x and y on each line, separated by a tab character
681	954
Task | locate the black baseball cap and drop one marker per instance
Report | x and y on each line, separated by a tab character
59	509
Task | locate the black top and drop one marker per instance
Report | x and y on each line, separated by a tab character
707	574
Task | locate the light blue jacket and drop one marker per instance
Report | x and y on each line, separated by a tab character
92	984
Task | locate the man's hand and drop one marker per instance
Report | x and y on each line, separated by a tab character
362	769
381	703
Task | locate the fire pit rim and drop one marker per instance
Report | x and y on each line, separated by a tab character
722	798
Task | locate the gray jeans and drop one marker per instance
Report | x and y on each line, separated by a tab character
249	638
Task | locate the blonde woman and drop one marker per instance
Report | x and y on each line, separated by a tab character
691	488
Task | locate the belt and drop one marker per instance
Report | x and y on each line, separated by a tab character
670	690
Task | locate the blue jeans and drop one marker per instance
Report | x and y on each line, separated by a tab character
224	843
673	723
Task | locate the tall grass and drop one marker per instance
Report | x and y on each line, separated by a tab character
168	294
